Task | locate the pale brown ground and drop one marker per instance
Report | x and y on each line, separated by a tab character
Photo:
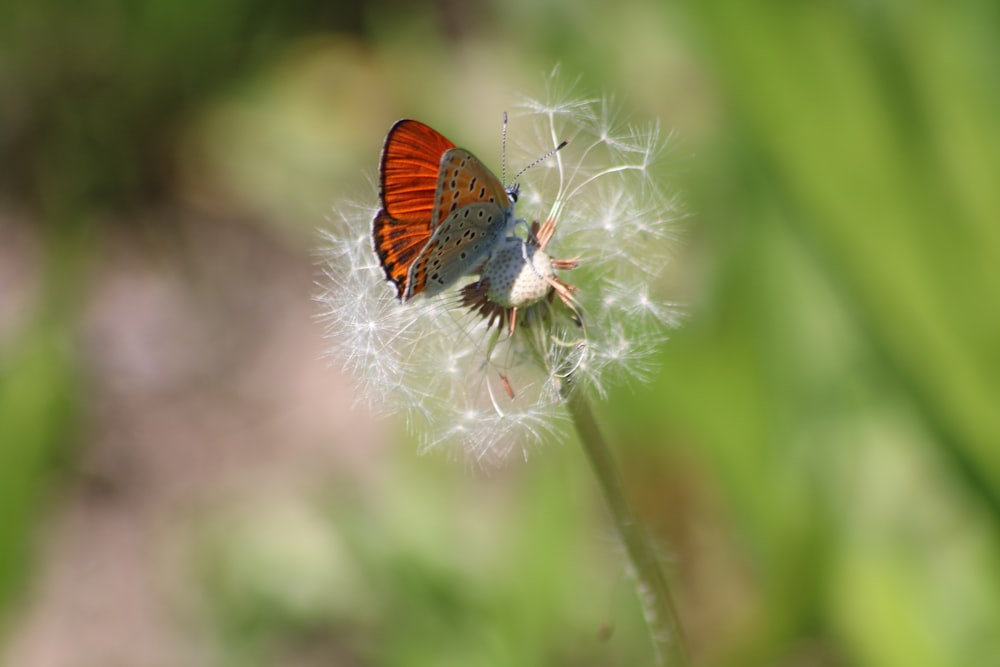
204	384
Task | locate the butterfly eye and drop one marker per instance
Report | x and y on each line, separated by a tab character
513	191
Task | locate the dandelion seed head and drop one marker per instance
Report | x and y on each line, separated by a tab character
517	275
484	390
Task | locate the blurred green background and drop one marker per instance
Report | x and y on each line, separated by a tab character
182	481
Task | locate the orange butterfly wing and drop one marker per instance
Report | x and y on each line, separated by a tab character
408	186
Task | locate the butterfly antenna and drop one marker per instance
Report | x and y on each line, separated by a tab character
503	150
540	160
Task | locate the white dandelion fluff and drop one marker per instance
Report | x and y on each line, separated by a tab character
479	374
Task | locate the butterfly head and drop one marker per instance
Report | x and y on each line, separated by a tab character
513	190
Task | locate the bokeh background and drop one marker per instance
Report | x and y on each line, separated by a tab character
182	478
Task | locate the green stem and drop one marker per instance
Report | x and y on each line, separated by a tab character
658	605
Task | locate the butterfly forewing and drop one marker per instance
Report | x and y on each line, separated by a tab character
464	180
408	172
397	245
408	178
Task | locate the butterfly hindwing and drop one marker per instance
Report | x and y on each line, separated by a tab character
460	244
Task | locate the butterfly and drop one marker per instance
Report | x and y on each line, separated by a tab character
442	211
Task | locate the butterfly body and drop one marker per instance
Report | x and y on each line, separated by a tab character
442	211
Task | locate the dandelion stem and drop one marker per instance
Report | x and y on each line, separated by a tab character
654	593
